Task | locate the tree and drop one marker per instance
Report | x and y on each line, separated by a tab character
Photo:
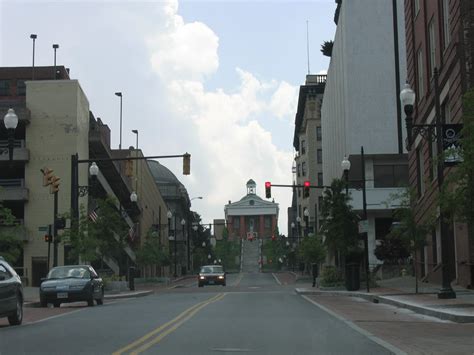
340	225
457	196
10	245
326	48
152	252
104	237
312	250
227	250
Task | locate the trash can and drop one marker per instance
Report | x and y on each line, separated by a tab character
352	277
131	278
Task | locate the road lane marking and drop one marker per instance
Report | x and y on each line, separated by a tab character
276	278
358	329
175	326
239	278
167	324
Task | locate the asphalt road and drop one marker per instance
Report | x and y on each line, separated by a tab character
253	315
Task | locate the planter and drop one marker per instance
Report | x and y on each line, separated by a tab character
116	286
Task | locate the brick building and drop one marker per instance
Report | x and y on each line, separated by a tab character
251	216
439	34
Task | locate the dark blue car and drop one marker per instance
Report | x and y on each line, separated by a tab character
11	294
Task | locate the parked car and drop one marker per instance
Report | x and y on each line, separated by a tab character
11	294
71	283
212	275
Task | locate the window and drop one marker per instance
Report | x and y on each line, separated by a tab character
303	147
303	169
320	156
20	88
4	273
4	87
268	222
299	170
432	46
390	175
318	134
420	68
420	171
447	35
417	7
320	179
445	113
299	192
433	151
320	203
236	223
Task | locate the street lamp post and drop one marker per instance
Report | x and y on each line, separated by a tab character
33	37
55	47
298	224
183	223
11	122
407	98
306	222
169	215
119	94
346	165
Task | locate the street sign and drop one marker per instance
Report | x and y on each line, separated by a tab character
43	229
363	226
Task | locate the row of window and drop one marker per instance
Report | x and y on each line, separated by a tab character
6	89
303	142
301	169
432	46
267	222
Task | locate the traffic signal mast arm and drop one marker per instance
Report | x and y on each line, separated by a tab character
302	186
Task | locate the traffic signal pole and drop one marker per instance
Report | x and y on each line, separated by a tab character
49	246
55	231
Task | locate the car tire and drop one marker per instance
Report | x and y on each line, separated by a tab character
100	301
200	285
17	318
57	304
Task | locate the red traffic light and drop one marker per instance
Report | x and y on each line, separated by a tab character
268	189
306	186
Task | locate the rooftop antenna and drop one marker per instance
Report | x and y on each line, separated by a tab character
307	43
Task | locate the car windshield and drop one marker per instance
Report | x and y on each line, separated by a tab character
211	270
77	272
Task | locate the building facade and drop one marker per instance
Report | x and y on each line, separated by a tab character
251	217
439	35
307	142
360	109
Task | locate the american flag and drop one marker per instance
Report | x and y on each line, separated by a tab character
131	232
93	216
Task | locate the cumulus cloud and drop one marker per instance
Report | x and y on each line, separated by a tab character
224	124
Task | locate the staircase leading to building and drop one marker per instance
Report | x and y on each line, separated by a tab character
250	256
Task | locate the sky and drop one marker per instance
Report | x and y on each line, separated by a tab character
218	79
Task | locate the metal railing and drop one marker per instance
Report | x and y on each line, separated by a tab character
17	143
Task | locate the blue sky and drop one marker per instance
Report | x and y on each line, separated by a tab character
218	79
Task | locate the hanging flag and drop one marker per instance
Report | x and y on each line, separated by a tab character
93	216
131	232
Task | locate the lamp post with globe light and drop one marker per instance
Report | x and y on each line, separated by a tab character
11	122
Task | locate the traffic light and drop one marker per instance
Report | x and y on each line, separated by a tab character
186	164
47	176
48	238
273	237
306	186
268	189
60	223
55	182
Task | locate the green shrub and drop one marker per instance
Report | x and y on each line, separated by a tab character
331	276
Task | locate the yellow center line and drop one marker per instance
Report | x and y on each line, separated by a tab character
160	328
175	326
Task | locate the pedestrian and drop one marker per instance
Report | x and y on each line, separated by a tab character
315	273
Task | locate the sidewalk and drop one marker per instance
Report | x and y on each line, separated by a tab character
400	292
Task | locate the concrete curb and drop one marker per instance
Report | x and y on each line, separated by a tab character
457	318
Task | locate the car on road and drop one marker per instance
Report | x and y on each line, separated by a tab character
211	275
11	294
71	283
